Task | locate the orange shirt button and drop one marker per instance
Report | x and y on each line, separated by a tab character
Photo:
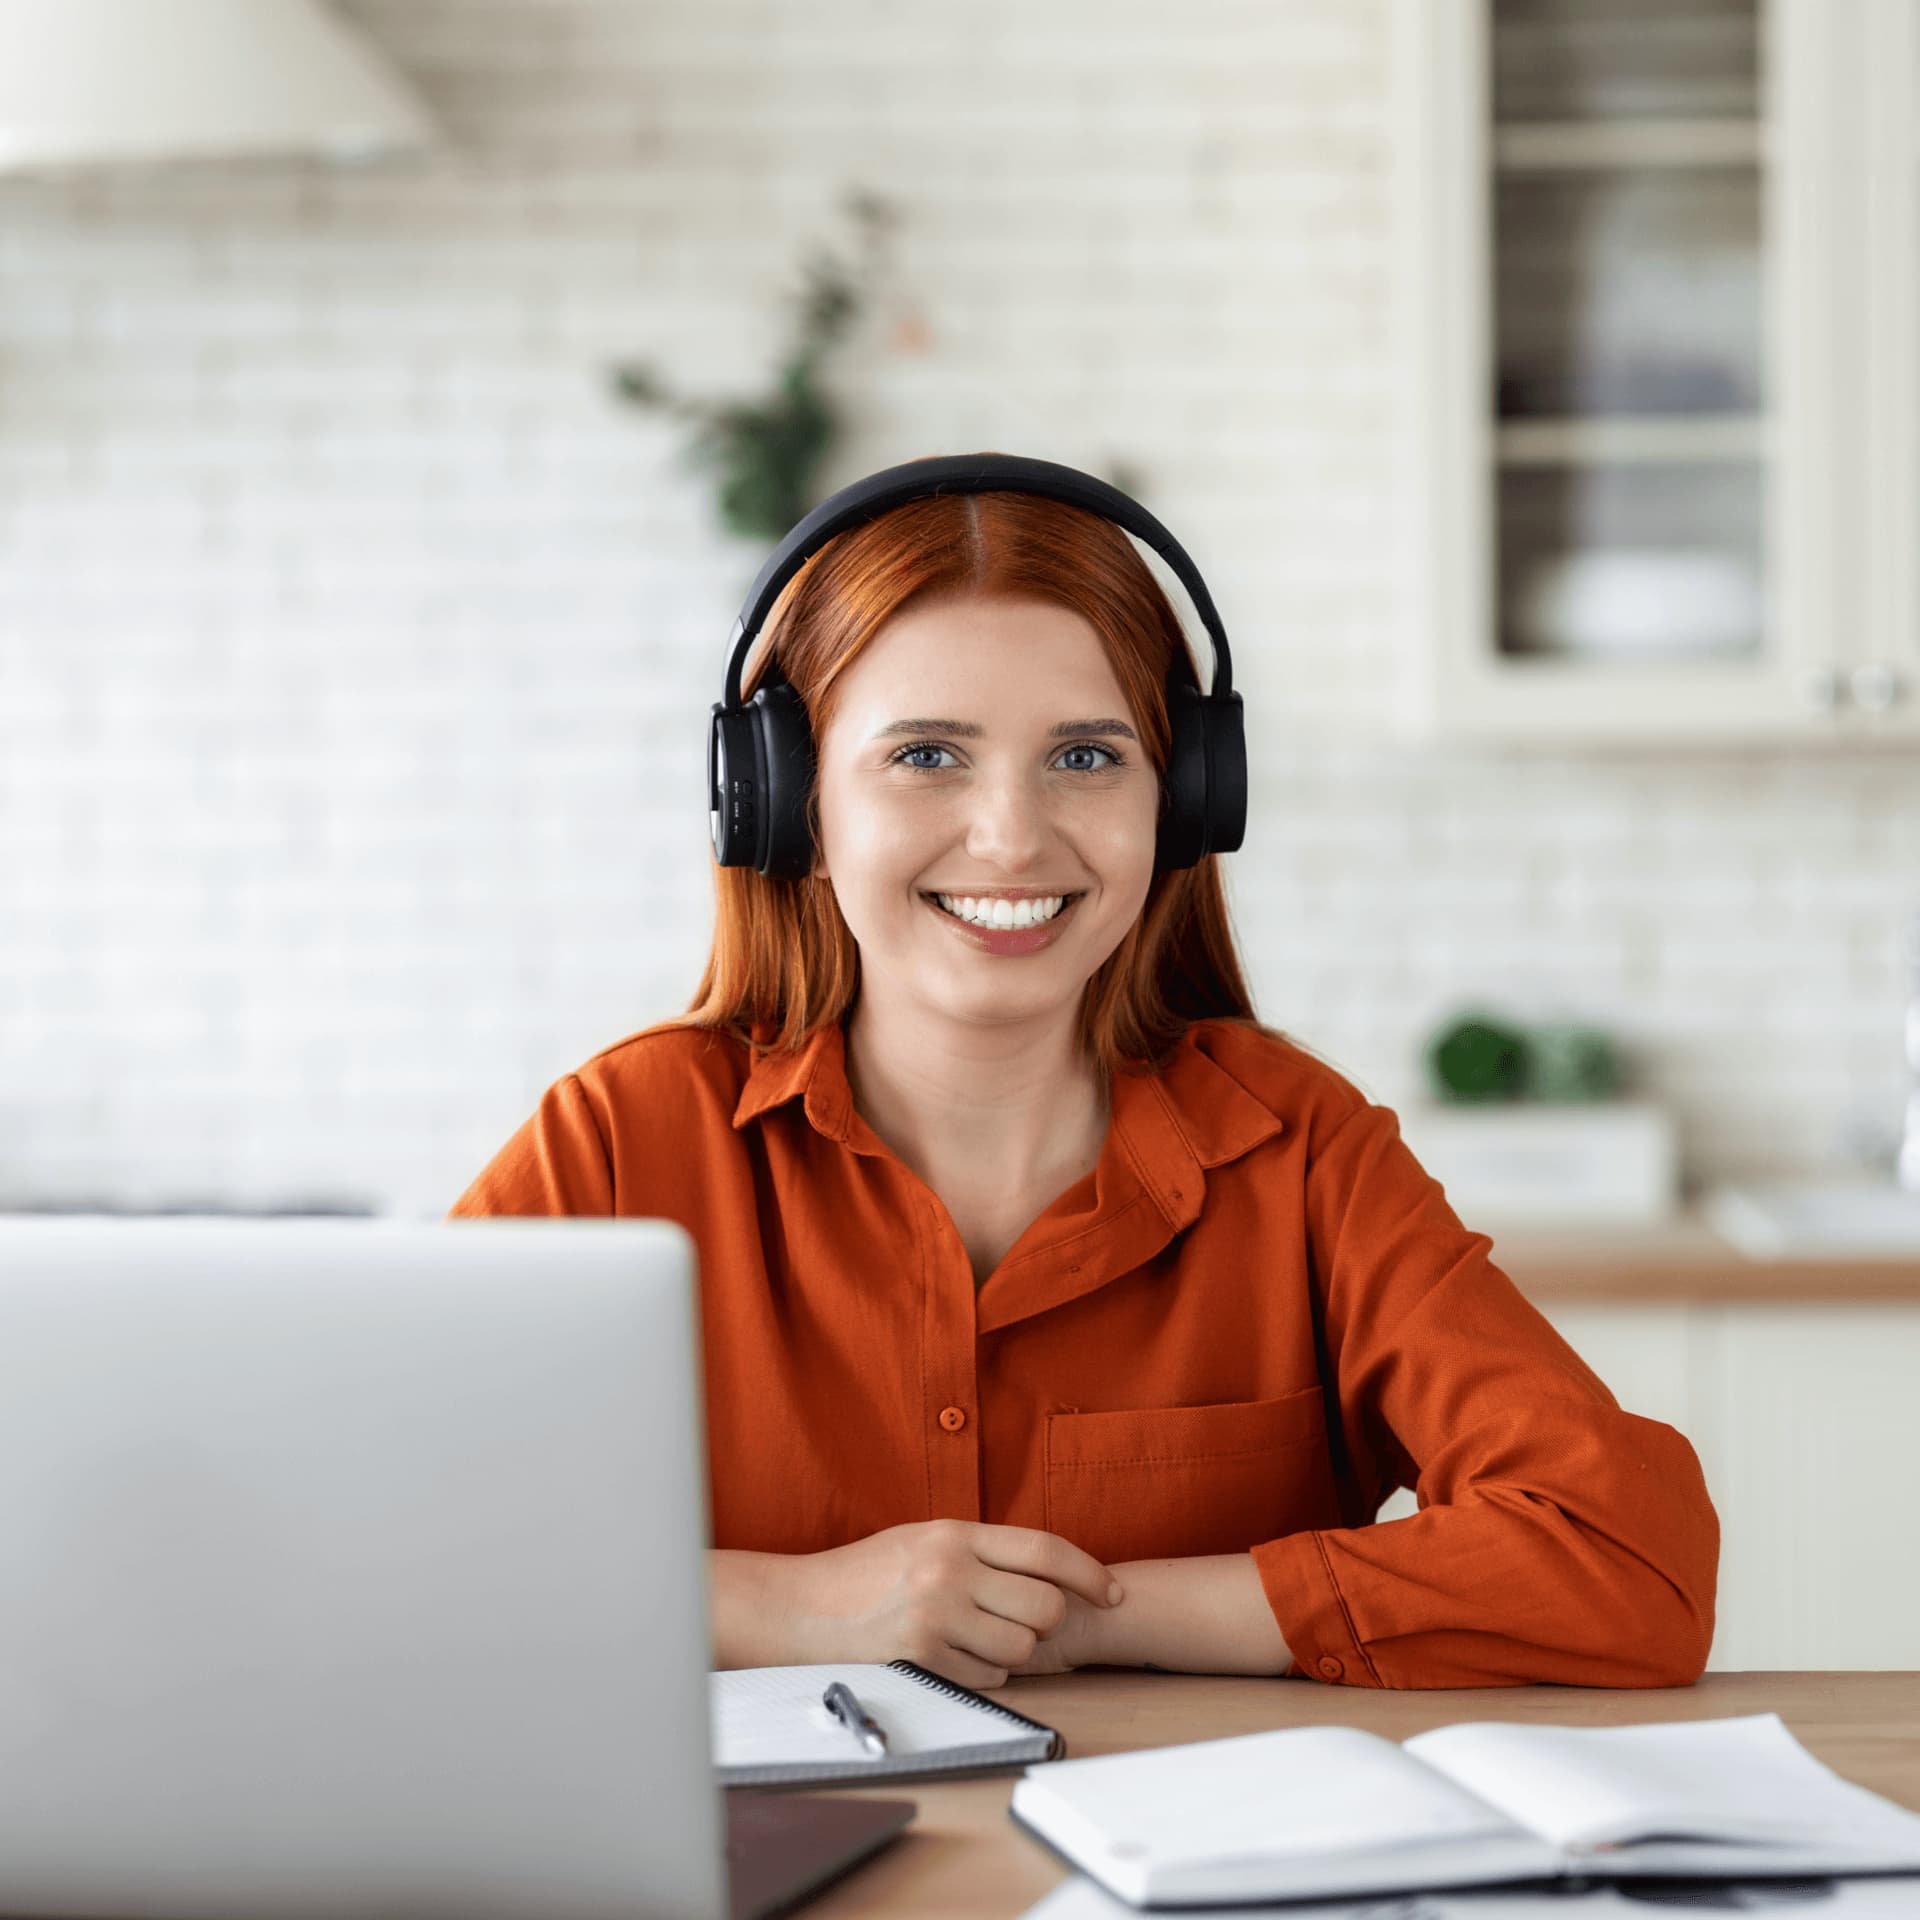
1331	1667
953	1418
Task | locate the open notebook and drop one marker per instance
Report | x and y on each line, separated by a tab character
1310	1812
1889	1897
770	1729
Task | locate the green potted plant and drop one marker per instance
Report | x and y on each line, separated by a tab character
768	449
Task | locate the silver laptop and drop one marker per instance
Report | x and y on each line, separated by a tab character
356	1567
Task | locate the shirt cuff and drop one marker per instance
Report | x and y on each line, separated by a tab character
1312	1616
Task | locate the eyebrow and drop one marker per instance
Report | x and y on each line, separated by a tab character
972	730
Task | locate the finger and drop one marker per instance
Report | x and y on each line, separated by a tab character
1038	1604
1001	1643
1047	1557
951	1663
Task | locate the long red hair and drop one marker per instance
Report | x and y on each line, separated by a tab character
784	962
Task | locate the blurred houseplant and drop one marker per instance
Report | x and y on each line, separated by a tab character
1478	1058
767	451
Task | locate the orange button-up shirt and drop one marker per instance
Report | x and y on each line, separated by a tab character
1253	1320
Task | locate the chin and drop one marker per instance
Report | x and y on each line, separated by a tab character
992	1005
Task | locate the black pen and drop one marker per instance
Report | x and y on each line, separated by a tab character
839	1701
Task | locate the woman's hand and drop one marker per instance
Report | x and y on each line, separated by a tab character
968	1601
1075	1642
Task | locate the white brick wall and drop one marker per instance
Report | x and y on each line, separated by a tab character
355	649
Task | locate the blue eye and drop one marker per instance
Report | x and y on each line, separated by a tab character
1088	746
901	757
924	746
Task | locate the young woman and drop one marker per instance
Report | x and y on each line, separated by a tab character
1055	1311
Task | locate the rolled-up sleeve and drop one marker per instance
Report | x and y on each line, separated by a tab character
1558	1537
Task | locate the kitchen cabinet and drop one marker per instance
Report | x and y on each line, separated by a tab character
1657	350
1804	1419
1886	673
1807	1425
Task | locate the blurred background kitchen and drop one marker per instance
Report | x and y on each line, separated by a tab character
397	397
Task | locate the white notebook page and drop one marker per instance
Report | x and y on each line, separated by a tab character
772	1716
1742	1778
1295	1791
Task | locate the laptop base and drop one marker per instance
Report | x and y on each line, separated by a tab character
782	1847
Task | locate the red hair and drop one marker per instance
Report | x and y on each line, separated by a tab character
784	963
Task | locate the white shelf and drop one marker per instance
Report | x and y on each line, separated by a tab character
1670	439
1555	145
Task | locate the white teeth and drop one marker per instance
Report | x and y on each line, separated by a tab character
1002	913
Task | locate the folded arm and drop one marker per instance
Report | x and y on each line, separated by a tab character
1559	1538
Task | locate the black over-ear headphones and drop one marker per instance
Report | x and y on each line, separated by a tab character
760	756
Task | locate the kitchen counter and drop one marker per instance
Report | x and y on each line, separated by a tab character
1685	1262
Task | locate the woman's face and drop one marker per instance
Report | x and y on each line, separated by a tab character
982	749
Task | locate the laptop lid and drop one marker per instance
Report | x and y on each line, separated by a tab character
353	1567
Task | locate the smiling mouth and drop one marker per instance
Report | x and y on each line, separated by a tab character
1067	902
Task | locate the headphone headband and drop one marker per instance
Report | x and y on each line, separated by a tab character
893	487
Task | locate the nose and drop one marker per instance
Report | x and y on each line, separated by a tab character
1007	824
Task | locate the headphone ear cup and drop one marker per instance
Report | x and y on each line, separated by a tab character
1182	834
784	742
733	787
1226	772
1205	806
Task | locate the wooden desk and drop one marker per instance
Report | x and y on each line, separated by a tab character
963	1859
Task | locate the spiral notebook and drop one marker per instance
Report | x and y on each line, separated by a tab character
770	1728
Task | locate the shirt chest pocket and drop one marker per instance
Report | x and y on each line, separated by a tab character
1154	1482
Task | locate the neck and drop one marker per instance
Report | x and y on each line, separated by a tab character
1000	1107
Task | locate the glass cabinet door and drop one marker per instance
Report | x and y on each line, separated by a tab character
1628	331
1635	384
1885	676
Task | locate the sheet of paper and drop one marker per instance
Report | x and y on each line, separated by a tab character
770	1716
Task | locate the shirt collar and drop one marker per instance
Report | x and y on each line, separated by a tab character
1190	1115
815	1070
